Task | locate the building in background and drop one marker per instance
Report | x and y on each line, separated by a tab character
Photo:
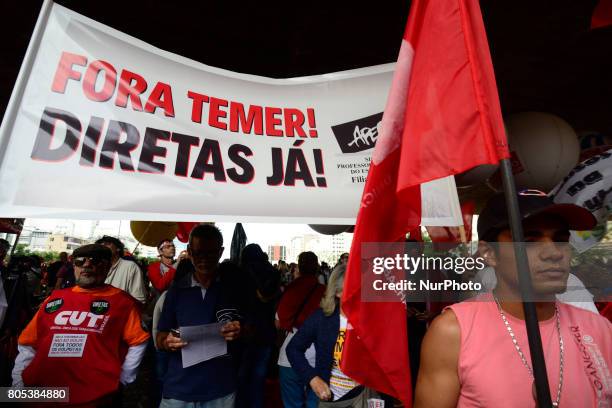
296	246
316	243
328	248
277	253
34	239
59	242
139	250
340	244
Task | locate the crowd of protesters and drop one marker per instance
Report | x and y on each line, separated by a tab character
139	309
88	321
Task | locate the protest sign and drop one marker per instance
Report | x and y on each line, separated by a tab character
102	125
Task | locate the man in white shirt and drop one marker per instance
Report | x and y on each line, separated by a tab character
124	274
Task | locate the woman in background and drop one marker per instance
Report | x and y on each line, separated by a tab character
301	299
326	328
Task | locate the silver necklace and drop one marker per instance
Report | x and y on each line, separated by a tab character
522	356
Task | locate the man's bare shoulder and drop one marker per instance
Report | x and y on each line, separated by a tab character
438	381
442	341
445	325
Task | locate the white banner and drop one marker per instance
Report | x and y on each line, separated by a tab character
589	185
102	125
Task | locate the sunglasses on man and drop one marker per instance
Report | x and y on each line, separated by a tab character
80	261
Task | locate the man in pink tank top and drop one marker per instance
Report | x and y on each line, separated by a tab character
476	353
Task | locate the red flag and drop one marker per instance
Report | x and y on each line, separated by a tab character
442	118
605	309
184	229
602	15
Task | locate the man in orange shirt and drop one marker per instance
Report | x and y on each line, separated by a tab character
87	338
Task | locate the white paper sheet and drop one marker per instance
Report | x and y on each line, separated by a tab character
204	343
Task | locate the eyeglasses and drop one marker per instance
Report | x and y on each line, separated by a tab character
80	261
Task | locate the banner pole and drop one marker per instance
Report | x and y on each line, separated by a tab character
522	266
15	244
22	78
462	234
141	235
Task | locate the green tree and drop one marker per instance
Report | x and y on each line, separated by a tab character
21	250
47	256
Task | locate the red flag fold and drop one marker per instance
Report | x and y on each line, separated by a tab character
442	118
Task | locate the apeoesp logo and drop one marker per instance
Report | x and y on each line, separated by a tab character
358	135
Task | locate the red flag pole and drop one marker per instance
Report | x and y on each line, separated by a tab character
522	265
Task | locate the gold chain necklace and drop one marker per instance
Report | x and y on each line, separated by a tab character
522	355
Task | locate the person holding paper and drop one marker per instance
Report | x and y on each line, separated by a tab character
199	298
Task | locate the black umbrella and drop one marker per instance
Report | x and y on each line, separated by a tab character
238	243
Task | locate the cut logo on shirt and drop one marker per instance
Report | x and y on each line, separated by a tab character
79	321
